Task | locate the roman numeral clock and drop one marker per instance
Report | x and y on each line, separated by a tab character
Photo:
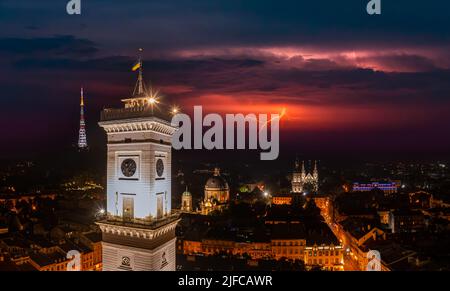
139	230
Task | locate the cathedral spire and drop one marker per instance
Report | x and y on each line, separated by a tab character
297	164
82	141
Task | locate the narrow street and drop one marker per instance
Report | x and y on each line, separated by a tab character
350	259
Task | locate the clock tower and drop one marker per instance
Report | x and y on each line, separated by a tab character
138	232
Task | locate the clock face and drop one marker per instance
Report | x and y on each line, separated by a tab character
159	167
128	167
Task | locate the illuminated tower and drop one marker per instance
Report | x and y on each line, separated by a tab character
303	173
139	230
297	177
315	179
82	141
186	201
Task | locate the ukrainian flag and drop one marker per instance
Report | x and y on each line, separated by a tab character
137	66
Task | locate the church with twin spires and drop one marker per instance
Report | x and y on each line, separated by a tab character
301	178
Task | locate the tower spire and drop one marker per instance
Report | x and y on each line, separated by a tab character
316	177
82	141
296	166
82	97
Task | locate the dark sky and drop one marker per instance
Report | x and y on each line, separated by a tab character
350	83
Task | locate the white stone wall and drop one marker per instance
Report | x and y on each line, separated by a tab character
140	259
146	187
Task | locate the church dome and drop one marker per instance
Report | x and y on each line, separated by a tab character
186	192
216	182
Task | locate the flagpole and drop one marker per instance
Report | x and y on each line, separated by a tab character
140	86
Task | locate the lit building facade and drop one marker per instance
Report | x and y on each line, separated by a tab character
300	178
49	262
282	200
279	241
387	188
291	248
328	257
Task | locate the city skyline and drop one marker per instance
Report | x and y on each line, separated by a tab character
224	136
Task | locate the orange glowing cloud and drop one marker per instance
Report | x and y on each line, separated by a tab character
312	117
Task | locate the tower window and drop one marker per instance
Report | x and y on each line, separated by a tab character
128	208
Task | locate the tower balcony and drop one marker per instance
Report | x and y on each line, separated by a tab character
110	114
150	223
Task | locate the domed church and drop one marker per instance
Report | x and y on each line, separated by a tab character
217	193
186	201
217	188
